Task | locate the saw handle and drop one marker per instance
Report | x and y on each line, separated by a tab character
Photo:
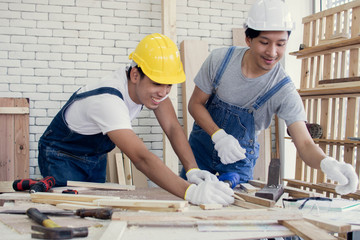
41	218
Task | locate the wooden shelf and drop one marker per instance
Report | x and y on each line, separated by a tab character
325	48
333	141
329	91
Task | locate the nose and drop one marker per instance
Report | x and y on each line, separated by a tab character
165	89
271	50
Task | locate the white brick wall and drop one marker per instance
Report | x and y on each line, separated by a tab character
49	48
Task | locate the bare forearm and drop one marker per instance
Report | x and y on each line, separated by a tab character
203	118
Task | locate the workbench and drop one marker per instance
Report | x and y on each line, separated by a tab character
219	228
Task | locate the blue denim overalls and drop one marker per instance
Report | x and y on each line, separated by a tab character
237	121
67	155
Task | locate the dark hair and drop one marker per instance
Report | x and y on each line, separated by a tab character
251	33
142	74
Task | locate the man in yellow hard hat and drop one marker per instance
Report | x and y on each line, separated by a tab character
98	116
239	89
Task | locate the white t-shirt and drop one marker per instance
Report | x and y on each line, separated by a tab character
104	112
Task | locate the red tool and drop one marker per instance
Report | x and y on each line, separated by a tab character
70	191
42	185
23	184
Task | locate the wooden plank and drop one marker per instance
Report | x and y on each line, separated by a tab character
177	217
306	52
21	137
6	187
168	24
306	230
114	230
193	54
14	110
177	204
127	170
239	37
109	186
7	148
256	200
330	226
210	206
247	205
120	168
68	197
111	168
138	178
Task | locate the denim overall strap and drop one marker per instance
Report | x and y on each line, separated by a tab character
262	99
220	72
67	155
98	91
59	135
223	66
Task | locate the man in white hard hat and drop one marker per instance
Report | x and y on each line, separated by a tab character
239	89
98	116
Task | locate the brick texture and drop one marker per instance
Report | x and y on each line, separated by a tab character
48	49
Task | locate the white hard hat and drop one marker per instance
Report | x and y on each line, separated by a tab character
269	15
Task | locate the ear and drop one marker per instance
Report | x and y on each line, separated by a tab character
134	75
248	41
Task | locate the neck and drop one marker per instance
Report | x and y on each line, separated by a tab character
249	66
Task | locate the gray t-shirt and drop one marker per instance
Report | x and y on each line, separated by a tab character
236	89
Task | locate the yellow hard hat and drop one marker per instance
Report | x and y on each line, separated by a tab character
159	58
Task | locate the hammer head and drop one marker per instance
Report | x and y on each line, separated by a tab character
58	232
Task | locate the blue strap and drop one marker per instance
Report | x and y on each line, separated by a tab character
98	91
262	99
223	66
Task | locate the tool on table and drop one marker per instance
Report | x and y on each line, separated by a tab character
51	230
231	178
70	191
273	190
42	185
99	213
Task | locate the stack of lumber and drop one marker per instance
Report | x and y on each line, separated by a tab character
75	201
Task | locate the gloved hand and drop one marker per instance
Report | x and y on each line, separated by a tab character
341	172
228	147
195	175
209	192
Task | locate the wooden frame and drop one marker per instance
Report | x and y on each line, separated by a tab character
14	138
330	88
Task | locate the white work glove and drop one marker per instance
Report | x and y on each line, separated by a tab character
209	192
341	172
195	175
228	147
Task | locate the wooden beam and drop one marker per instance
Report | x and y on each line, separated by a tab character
306	230
14	110
113	186
256	200
168	23
193	54
329	225
178	217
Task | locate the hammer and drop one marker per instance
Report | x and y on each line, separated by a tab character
50	229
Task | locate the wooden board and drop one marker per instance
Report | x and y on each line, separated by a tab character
6	187
120	168
306	230
193	54
14	138
112	186
215	215
168	26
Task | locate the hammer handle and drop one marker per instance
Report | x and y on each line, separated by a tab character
41	218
